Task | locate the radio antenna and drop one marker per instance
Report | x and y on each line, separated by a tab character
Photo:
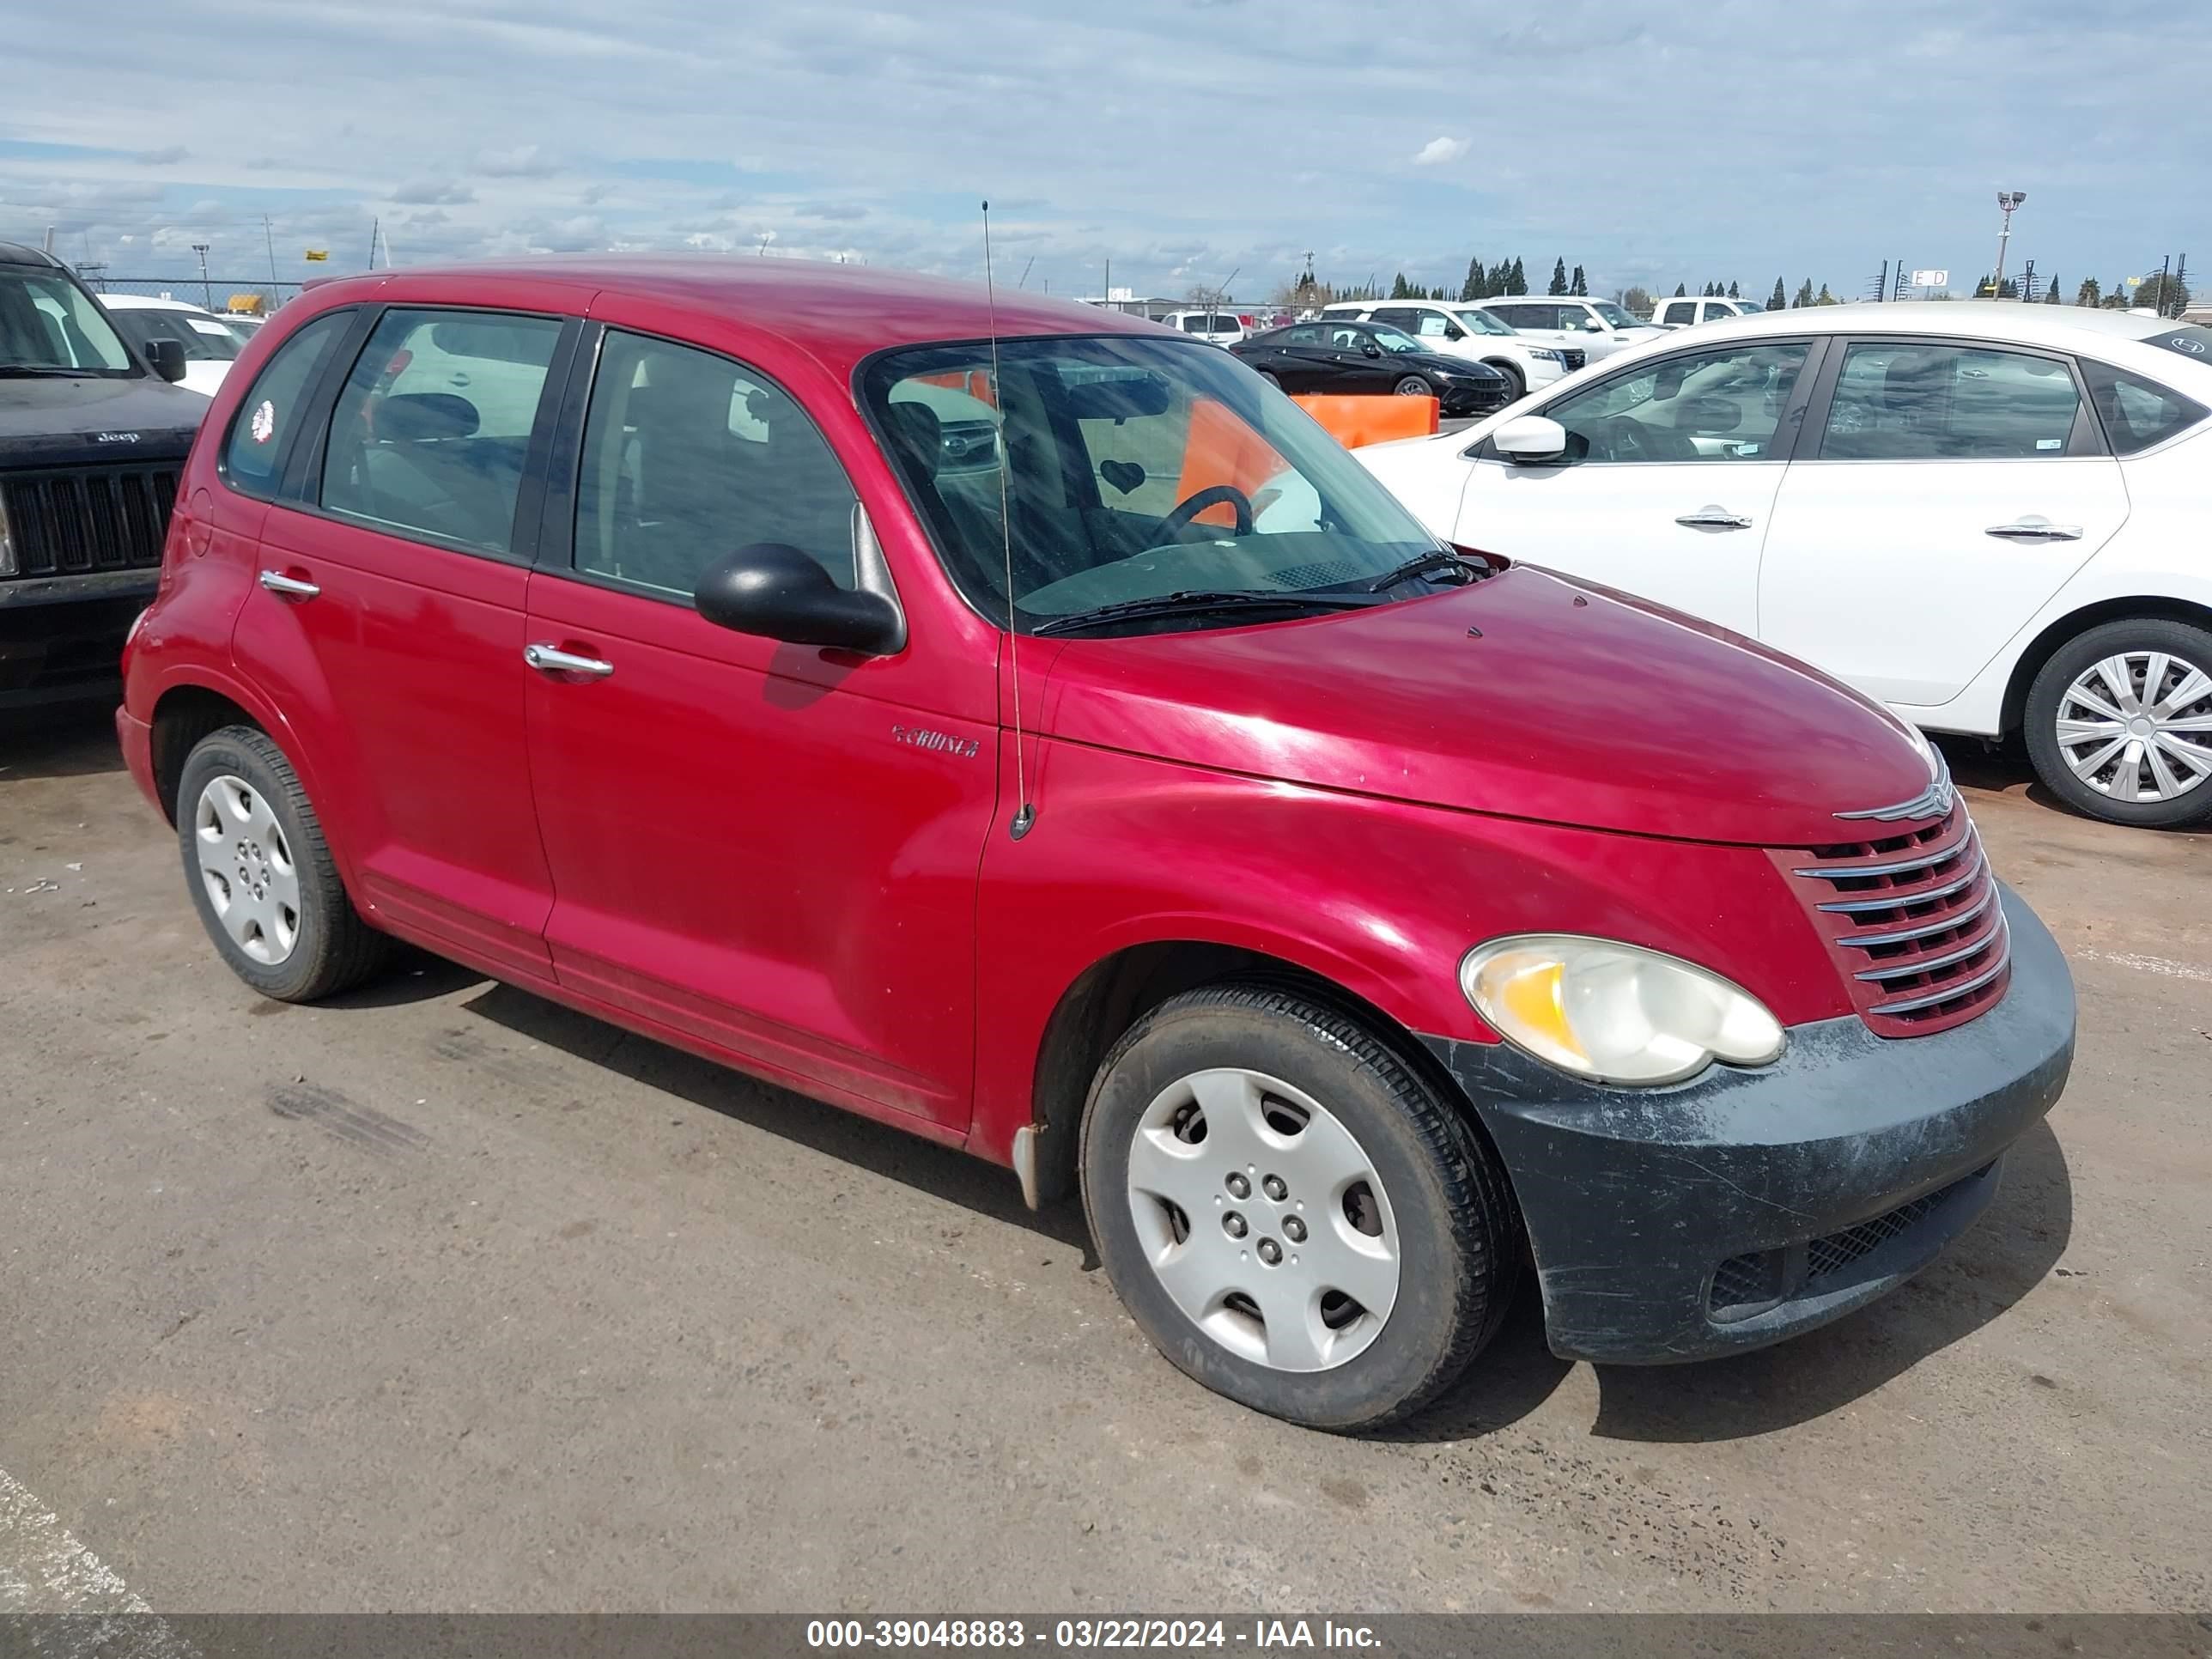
1025	813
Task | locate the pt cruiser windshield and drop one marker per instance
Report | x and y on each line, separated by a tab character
1134	469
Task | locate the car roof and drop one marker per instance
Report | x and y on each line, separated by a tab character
150	302
15	253
837	313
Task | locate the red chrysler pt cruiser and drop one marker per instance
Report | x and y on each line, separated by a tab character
1027	727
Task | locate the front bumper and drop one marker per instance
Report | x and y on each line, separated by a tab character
1745	1206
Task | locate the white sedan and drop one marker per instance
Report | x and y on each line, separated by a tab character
211	343
1993	517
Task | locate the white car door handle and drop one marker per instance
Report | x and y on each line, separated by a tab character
289	587
2034	529
551	659
1715	517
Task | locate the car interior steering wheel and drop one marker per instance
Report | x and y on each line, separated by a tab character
1179	520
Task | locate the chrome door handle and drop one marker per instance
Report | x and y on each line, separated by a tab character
550	659
1715	517
290	587
2034	529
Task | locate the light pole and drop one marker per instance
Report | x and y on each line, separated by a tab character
207	294
2006	201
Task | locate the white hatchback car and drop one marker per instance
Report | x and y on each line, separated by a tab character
211	342
1990	516
1460	329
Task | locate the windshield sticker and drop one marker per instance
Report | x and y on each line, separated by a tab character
264	425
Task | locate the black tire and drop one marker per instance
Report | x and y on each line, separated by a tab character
1516	383
1269	377
1414	386
1458	1229
334	950
2182	642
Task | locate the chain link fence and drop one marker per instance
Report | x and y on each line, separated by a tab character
217	294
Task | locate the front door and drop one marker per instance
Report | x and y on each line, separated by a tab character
1668	479
1952	490
763	848
391	624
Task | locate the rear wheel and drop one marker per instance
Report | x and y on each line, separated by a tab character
1412	386
261	875
1294	1217
2119	723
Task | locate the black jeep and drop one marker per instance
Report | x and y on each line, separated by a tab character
92	438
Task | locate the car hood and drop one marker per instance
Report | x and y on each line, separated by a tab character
69	423
1445	362
1526	694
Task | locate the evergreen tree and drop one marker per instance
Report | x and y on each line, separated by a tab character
1780	299
2051	294
1471	288
1825	298
1559	277
1732	294
1804	296
1681	290
1580	285
1519	278
1500	280
1398	289
2087	293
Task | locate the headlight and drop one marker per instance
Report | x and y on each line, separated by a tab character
1614	1011
1543	355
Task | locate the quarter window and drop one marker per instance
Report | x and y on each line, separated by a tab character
1725	405
1901	402
261	431
687	458
2137	413
432	430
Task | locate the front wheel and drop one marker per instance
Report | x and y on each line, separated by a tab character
1269	376
1516	383
1413	386
2119	723
1292	1215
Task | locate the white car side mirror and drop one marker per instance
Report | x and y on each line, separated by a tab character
1530	438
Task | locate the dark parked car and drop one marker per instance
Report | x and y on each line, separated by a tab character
1333	354
92	439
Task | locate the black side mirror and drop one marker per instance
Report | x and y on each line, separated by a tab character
773	590
166	359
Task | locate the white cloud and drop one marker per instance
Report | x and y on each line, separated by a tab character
1438	151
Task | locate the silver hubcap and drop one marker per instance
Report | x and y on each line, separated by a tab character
1411	386
2138	726
1264	1218
246	866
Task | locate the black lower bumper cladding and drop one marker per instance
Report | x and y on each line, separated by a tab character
1745	1206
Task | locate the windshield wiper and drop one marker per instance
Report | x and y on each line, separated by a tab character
29	369
1193	605
1436	559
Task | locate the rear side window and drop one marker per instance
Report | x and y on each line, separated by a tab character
261	432
1680	311
1908	402
432	430
688	456
2137	413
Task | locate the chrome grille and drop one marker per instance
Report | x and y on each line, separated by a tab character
1574	359
82	520
1913	919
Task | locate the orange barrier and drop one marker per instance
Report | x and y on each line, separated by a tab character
1371	420
1219	448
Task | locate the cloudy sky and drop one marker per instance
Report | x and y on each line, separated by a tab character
1182	140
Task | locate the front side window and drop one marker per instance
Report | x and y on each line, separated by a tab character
1910	402
203	338
49	325
1724	405
432	430
688	456
1610	313
1391	340
1481	322
2137	413
261	432
1134	468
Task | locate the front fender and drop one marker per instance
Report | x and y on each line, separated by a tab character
1379	898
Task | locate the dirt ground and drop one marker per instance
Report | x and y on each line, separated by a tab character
445	1298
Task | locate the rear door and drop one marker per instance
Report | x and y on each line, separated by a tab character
388	621
1951	488
1667	483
